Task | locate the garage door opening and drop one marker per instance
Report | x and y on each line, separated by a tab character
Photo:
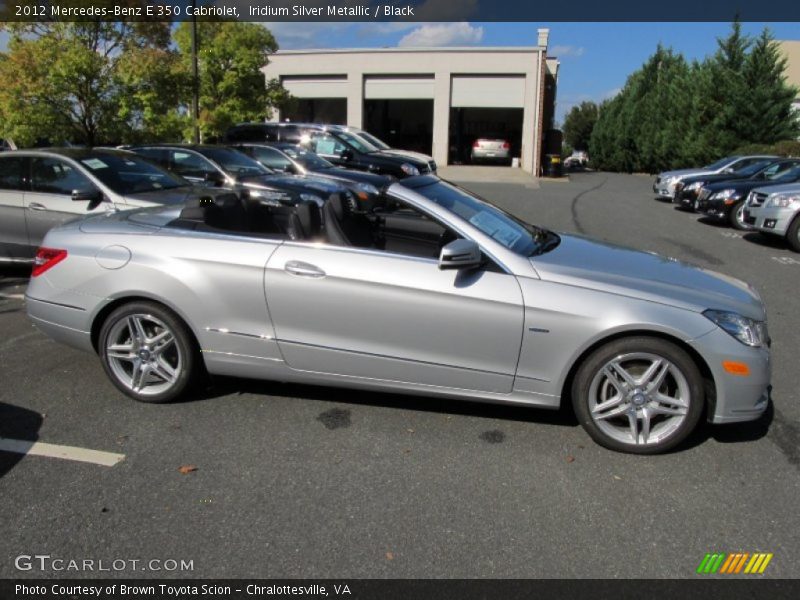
467	125
404	124
316	110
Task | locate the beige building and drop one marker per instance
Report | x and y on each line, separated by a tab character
791	50
433	100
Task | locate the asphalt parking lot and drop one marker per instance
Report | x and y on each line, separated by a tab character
299	481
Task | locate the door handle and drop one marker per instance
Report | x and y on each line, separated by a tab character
301	269
36	206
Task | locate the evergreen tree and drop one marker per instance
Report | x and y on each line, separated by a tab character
767	109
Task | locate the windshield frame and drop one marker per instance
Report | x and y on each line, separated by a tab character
719	164
214	155
319	163
537	236
107	158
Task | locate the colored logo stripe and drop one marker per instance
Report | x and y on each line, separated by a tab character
734	563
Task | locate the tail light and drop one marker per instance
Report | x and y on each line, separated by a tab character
476	144
506	146
47	258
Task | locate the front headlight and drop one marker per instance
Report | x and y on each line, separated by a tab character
694	185
311	198
725	194
783	200
365	190
409	169
748	331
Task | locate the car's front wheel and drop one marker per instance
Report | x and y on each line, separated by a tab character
148	353
640	395
793	234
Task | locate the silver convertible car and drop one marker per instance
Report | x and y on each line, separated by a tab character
429	290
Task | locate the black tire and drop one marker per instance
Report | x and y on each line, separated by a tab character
733	217
182	355
793	234
591	369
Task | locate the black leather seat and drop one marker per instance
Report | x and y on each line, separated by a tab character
344	228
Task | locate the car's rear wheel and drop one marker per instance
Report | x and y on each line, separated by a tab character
148	352
736	216
640	395
793	234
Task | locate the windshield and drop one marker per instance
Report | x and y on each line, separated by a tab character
235	163
720	163
130	174
753	169
308	159
512	233
378	143
356	142
788	176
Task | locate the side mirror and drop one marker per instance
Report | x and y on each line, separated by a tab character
346	154
460	254
92	195
213	178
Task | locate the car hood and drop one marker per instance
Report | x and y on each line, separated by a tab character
169	197
350	176
587	263
415	158
740	185
683	173
305	183
779	189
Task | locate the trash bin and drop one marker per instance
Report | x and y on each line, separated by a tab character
552	166
515	162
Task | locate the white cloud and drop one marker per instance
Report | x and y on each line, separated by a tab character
442	34
611	93
563	51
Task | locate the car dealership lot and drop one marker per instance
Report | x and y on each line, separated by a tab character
299	481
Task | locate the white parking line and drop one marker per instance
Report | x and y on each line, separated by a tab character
97	457
13	296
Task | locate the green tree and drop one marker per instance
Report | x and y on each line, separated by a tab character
231	56
86	82
578	125
767	114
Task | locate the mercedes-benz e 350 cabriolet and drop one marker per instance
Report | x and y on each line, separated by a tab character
429	290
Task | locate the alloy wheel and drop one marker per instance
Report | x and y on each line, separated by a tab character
143	355
639	398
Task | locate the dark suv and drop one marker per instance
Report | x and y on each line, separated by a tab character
343	146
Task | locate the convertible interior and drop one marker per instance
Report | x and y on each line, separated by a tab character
387	224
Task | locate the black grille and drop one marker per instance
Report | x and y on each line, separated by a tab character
757	199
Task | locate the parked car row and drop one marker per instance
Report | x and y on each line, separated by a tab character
760	193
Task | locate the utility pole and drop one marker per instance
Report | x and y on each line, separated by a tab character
195	82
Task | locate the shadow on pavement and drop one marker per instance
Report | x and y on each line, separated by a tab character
733	433
768	241
223	386
16	423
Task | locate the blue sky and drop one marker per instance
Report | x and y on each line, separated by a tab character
596	58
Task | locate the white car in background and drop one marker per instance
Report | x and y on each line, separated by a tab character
776	210
664	186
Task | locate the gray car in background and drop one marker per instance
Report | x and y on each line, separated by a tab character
429	291
40	189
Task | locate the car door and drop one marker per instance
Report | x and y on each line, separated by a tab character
394	316
14	176
49	201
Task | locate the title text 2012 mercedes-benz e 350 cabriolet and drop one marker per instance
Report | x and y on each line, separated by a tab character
430	290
